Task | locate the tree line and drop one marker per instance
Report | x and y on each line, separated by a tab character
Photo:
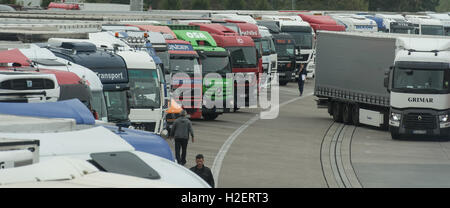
360	5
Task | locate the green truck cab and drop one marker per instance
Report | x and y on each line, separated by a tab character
215	61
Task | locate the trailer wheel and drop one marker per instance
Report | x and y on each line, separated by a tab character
347	113
337	112
355	115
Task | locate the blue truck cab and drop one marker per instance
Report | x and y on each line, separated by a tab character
109	67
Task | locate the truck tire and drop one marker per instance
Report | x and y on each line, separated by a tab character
210	116
337	112
347	113
395	136
355	115
330	108
385	125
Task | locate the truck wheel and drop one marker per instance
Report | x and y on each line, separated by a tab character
385	125
395	136
330	108
337	112
355	115
347	113
210	116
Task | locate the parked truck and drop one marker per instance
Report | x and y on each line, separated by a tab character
214	59
395	24
303	34
286	52
109	67
401	83
244	58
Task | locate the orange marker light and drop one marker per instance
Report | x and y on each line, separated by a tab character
146	35
116	34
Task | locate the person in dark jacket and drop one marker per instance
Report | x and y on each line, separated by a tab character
301	78
201	170
181	129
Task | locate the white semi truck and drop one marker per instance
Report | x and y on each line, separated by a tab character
425	25
302	33
394	81
356	23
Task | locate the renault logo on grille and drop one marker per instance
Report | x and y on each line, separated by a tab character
29	83
419	118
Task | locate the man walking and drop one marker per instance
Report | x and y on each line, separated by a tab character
301	78
181	129
201	170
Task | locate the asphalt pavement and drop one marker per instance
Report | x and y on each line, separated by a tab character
292	150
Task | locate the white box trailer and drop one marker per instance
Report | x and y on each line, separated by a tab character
385	80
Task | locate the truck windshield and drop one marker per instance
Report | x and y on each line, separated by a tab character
447	31
303	39
99	105
402	30
216	64
183	64
258	45
419	79
266	46
116	104
284	50
243	57
145	88
164	56
432	30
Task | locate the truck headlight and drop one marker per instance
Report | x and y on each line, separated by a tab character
396	116
443	118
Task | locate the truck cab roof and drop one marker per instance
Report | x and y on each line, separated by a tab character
63	77
99	61
137	59
215	28
265	33
44	58
225	37
231	16
157	28
273	26
423	20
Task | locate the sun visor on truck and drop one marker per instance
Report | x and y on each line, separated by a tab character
421	65
73	109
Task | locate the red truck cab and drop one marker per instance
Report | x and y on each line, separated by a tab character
244	56
319	22
71	85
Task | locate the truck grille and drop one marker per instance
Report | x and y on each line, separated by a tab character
419	121
27	84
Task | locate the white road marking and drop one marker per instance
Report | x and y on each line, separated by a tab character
217	165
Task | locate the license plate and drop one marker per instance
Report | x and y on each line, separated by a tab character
219	110
419	132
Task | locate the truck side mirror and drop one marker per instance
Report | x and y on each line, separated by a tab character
386	83
387	76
